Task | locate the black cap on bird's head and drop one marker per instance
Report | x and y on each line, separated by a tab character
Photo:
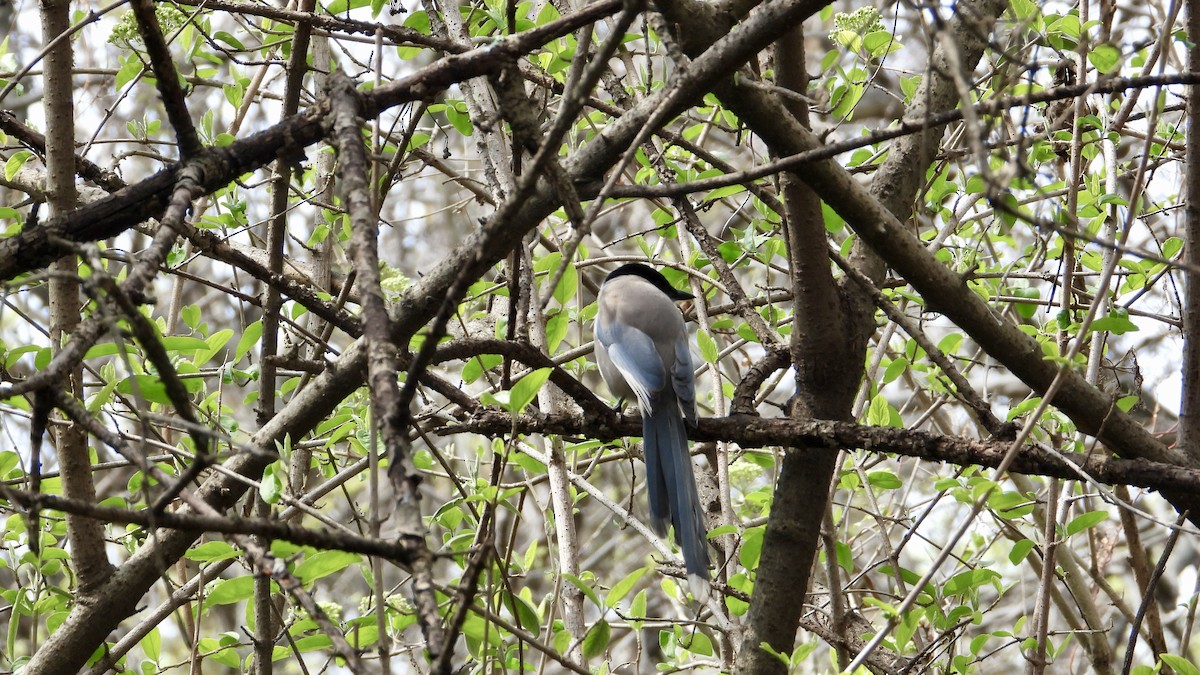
653	276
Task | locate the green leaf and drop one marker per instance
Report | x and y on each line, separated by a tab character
1020	550
1085	521
324	563
15	162
885	480
271	484
708	347
527	615
229	591
965	582
1180	665
211	551
249	338
880	43
216	342
721	192
895	369
752	548
881	413
557	326
568	285
228	39
151	387
949	345
1106	58
637	609
128	71
586	588
1171	247
478	364
698	643
524	391
773	652
845	556
622	587
183	343
1117	323
596	640
8	462
152	644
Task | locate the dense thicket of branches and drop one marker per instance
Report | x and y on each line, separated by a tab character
295	365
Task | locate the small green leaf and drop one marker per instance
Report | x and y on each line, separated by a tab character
708	347
15	162
249	338
596	640
1020	550
229	591
216	342
568	285
151	387
885	480
527	615
524	391
1126	403
970	580
183	343
1180	665
324	563
845	556
1106	58
880	43
637	609
8	462
881	413
1117	323
622	587
128	71
152	645
272	485
585	587
752	543
895	369
1085	521
212	551
698	643
721	192
950	343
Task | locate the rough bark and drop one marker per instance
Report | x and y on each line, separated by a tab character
1189	415
86	535
827	376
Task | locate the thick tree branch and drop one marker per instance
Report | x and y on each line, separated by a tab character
386	409
1189	415
750	431
166	78
198	523
89	557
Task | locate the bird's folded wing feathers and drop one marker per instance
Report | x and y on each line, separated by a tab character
633	353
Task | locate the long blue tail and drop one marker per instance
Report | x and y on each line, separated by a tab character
671	483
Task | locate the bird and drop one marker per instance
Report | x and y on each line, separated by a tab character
642	351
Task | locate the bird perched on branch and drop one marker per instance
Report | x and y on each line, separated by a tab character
642	350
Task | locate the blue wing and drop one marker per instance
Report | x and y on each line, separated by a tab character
633	353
